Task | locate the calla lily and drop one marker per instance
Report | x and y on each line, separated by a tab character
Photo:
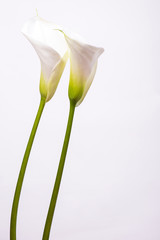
52	51
83	64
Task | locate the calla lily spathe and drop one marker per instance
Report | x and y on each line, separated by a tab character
52	51
83	64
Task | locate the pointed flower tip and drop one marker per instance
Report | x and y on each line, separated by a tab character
101	50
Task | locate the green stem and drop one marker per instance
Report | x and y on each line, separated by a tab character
22	172
59	174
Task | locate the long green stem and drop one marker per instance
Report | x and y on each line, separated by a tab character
59	174
22	172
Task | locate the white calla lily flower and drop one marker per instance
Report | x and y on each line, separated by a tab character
51	48
83	64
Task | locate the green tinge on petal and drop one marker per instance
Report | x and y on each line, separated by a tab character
55	76
76	88
88	84
43	86
49	86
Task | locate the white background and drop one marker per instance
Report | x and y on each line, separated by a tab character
111	184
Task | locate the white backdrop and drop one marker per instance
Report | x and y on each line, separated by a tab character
111	184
